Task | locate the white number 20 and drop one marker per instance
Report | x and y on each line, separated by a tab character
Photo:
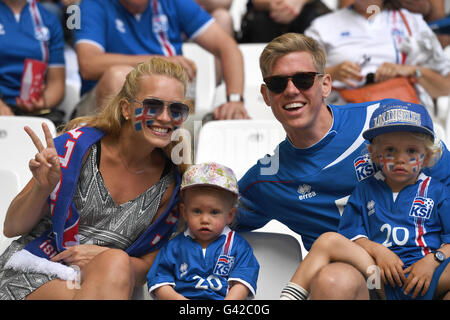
394	231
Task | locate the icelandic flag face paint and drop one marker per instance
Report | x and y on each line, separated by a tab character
386	161
417	162
144	117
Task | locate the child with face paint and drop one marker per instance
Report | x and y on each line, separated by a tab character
397	220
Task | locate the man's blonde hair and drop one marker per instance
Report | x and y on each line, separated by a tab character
288	43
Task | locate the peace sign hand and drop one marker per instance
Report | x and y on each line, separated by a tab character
45	165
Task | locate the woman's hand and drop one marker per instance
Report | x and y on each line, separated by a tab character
391	266
79	255
45	165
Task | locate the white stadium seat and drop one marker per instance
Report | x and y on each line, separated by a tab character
254	102
9	188
238	144
279	256
205	80
16	146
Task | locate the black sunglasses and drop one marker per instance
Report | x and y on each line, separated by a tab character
301	80
177	110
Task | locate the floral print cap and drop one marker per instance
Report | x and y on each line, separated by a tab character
210	173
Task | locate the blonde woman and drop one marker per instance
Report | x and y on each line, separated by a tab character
105	191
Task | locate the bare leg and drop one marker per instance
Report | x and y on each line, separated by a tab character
331	247
339	281
108	276
443	287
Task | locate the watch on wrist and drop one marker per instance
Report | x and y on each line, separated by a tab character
439	256
417	73
235	97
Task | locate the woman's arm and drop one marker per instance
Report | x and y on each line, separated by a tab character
30	205
54	87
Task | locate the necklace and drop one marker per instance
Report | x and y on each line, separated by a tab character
128	169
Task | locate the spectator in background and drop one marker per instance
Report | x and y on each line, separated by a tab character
117	34
359	42
29	31
431	10
267	19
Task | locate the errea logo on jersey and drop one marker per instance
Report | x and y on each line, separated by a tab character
370	207
120	26
2	30
305	192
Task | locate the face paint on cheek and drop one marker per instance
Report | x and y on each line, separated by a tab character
139	118
143	118
177	120
386	162
417	163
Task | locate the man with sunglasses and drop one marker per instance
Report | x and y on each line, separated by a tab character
307	182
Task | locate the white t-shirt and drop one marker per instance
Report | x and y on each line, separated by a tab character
383	37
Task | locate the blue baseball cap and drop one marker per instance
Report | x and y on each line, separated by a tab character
395	116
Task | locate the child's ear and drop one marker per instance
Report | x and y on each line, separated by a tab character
372	154
231	215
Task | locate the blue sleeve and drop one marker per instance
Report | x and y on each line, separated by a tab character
249	216
441	169
245	267
351	224
444	216
93	22
191	17
162	269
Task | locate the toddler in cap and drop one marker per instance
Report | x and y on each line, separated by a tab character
208	260
395	221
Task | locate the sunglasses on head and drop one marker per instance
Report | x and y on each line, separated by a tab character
301	80
178	111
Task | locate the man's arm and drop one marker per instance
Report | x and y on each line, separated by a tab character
225	48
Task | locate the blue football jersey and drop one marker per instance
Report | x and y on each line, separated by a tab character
158	30
20	40
307	189
204	274
415	224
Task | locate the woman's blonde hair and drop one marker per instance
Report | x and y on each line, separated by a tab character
110	118
288	43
